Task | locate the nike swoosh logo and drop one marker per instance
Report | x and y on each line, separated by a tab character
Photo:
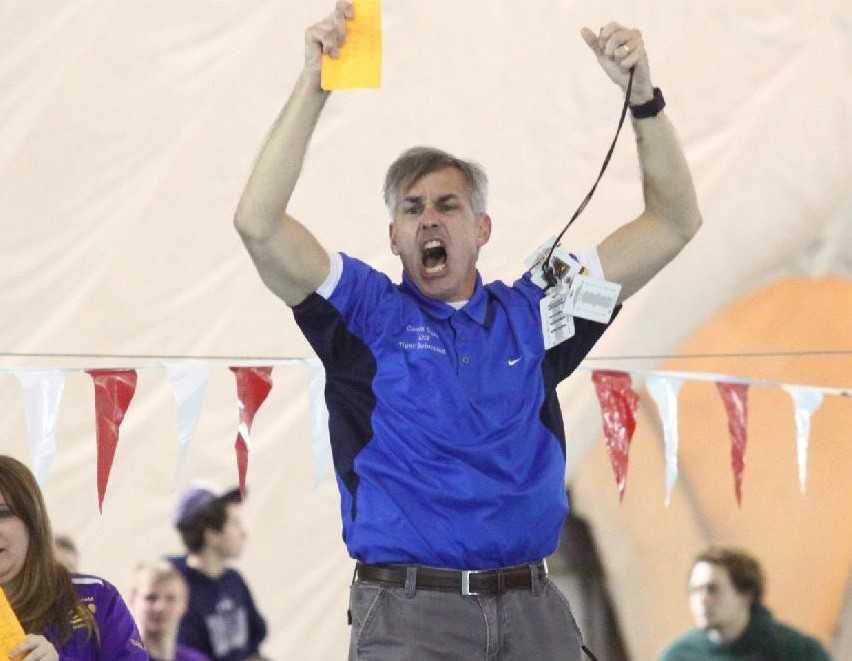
514	362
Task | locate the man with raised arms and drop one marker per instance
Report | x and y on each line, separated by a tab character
447	437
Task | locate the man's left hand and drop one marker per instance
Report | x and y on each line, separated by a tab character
617	49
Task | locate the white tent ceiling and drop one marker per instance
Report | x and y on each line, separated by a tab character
128	130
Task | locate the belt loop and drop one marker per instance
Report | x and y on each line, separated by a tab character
410	581
535	579
355	572
501	581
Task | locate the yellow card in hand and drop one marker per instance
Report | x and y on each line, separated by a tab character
11	632
360	60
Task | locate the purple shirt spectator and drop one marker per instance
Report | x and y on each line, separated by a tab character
119	638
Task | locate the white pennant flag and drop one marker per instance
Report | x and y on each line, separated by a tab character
320	438
664	390
42	396
806	401
189	381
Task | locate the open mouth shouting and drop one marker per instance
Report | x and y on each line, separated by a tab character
433	256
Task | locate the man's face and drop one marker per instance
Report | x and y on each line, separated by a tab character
715	603
230	540
437	235
158	605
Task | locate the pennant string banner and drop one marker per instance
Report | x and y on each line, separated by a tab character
189	375
259	361
618	407
113	393
735	398
253	386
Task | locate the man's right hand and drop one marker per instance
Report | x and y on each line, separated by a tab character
327	36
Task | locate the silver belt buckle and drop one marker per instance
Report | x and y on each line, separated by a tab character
465	580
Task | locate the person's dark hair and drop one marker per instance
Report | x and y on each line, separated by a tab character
744	570
415	163
210	517
42	594
65	543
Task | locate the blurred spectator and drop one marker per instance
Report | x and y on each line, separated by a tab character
222	620
66	553
726	588
158	599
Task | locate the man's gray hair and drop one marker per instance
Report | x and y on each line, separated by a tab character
415	163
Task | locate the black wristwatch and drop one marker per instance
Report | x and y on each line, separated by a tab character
651	108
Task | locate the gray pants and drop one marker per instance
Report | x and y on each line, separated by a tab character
389	624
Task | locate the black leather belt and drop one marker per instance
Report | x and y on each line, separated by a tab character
487	581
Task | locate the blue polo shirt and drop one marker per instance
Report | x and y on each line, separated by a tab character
446	432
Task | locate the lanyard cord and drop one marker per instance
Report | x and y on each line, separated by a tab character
547	269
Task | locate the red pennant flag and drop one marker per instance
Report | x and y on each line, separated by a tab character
618	403
113	392
735	397
253	385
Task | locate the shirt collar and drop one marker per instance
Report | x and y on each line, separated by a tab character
477	308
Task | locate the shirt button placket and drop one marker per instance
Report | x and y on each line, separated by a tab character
458	342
